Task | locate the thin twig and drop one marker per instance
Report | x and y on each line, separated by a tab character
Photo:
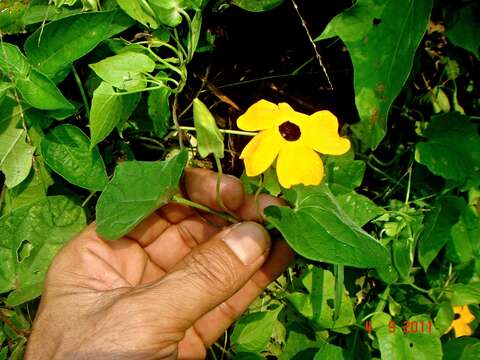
82	91
182	201
317	54
175	120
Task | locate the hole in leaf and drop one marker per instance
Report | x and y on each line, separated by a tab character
331	303
411	344
376	21
23	250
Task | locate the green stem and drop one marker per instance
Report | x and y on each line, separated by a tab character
182	201
218	190
82	91
175	120
88	198
179	43
137	91
383	300
409	185
166	63
190	34
232	132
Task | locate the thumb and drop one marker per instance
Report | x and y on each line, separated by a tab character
213	271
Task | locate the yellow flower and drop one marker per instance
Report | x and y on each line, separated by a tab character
293	137
463	317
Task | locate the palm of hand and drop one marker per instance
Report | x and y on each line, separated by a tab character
116	287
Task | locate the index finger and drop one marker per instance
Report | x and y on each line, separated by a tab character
201	187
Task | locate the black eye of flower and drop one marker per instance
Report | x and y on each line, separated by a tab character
289	131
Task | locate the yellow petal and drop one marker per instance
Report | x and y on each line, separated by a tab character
465	314
320	131
298	164
261	151
284	107
462	329
460	325
261	115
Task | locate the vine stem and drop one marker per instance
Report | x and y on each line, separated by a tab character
182	201
232	132
218	189
82	90
317	54
87	199
175	120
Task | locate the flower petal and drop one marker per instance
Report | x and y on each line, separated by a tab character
261	151
298	164
320	131
261	115
462	329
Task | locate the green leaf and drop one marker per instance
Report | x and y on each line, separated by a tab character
159	110
418	345
53	47
136	190
403	255
253	331
196	32
300	342
464	241
460	348
318	305
381	63
44	226
11	13
15	153
248	356
129	104
12	60
453	147
257	5
465	294
106	112
125	70
140	11
438	223
167	11
331	352
32	189
463	27
40	92
210	140
344	175
444	317
319	229
359	208
66	150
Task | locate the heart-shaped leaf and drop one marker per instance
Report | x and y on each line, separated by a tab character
318	229
136	190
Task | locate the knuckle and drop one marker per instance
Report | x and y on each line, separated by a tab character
214	272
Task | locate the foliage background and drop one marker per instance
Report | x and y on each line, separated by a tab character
402	77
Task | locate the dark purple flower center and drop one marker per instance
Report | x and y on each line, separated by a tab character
289	131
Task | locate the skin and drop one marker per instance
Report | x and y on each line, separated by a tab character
168	290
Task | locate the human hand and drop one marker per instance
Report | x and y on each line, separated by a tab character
167	290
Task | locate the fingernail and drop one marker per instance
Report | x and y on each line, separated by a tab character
248	240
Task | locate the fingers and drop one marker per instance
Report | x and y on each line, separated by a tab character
213	324
210	274
178	240
253	209
200	185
